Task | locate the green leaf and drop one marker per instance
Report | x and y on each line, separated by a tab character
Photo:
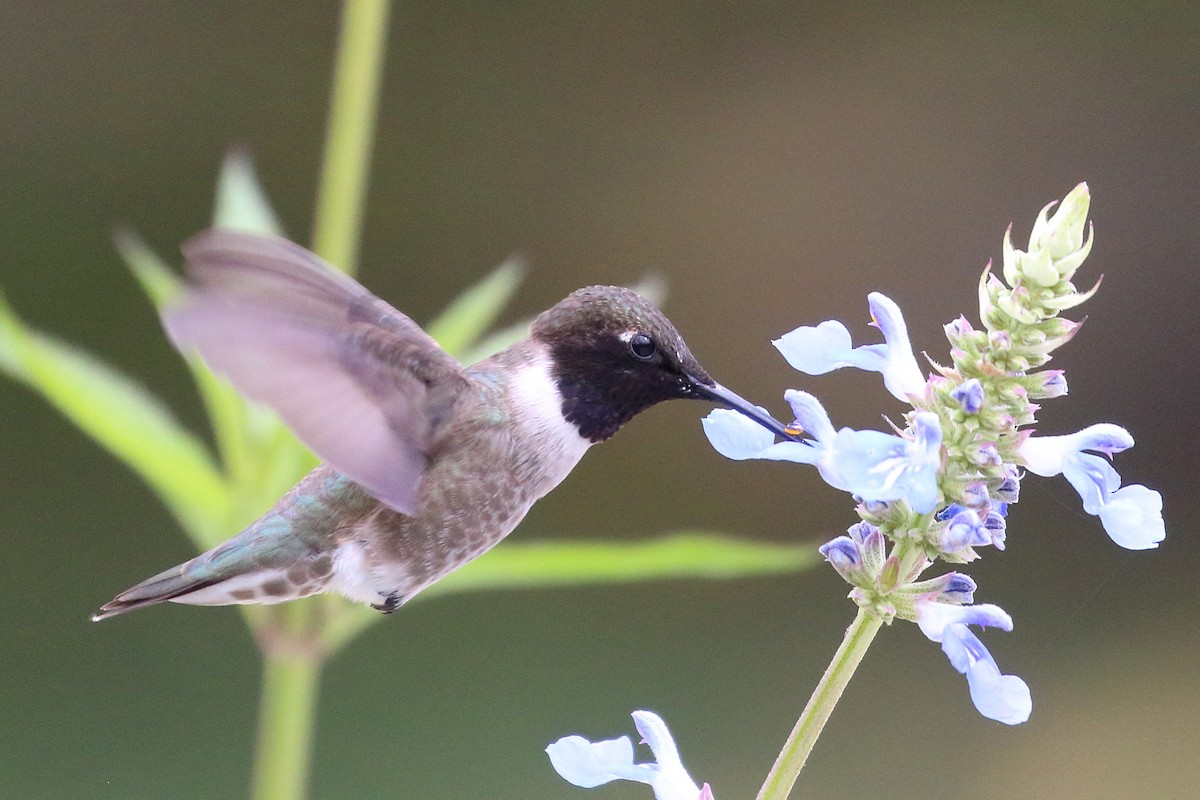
521	565
242	204
120	416
157	280
474	311
495	341
528	565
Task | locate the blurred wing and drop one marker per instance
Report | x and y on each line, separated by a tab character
359	382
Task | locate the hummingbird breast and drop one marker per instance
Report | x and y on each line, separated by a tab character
503	448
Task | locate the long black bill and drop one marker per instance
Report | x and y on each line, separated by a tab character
722	396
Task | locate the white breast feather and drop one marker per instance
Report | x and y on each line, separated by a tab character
537	409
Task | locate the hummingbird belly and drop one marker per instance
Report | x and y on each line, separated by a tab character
473	494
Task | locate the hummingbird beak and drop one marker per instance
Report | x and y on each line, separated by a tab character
729	399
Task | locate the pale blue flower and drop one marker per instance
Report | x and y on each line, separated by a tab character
968	527
959	589
955	588
878	466
997	524
964	529
589	764
1009	489
733	439
1131	515
969	395
871	465
844	556
857	556
1048	455
1054	384
828	346
1004	698
933	617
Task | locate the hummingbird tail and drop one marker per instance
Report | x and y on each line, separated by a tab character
164	586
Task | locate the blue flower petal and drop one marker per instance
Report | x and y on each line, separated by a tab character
810	414
969	395
963	530
732	437
996	525
1132	517
933	618
1045	455
671	781
1004	698
844	555
959	589
901	375
828	346
815	351
841	552
589	764
877	466
1093	478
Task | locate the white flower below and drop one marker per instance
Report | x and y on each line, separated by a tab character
588	764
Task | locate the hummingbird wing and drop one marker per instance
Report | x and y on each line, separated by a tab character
359	382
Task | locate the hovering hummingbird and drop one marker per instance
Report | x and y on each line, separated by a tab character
427	464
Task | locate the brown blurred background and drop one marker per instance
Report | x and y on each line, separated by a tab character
774	162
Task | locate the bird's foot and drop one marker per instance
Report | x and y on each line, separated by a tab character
389	604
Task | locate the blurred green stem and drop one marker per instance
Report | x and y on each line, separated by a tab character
812	720
351	133
292	670
291	682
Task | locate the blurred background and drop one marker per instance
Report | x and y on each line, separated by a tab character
774	162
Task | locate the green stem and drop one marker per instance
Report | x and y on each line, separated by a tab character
290	636
351	132
800	743
285	725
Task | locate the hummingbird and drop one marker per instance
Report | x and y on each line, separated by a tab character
427	464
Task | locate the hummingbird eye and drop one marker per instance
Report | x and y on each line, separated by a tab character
642	346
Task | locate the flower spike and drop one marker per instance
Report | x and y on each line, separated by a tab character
939	486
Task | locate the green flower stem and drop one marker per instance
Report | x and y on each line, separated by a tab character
351	132
291	682
290	637
800	743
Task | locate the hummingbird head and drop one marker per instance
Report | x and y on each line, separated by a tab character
614	355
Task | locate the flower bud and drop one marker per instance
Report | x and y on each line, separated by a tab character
844	556
1062	234
1051	383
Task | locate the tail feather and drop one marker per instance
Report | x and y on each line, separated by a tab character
164	586
281	556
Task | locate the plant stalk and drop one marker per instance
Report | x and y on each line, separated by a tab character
287	711
290	639
786	770
353	108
